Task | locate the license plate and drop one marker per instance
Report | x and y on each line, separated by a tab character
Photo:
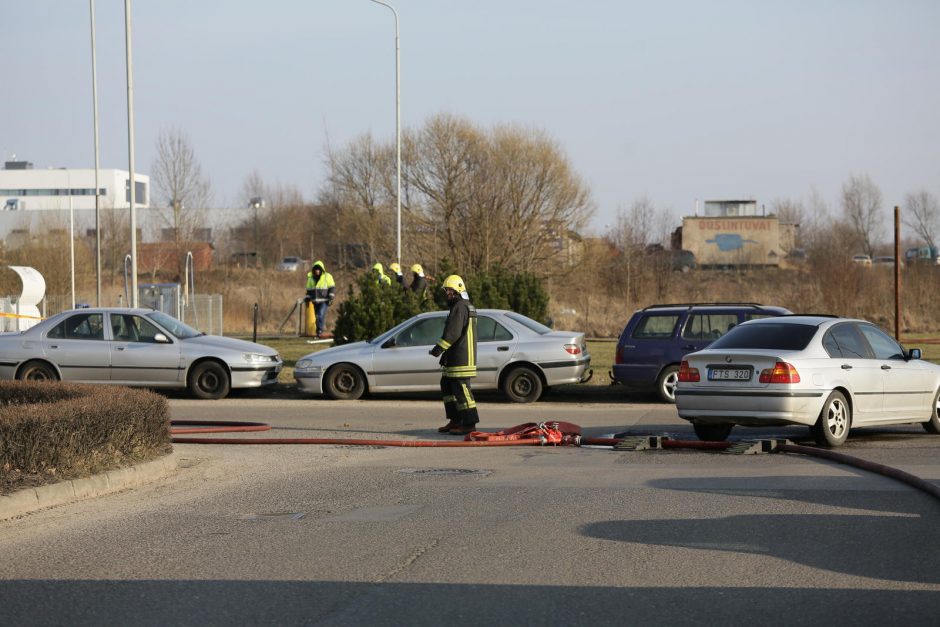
729	374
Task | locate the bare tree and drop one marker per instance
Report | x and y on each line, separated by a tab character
923	214
181	187
861	206
356	185
638	237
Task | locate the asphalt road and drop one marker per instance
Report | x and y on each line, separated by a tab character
341	535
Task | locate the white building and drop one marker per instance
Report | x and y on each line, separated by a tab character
32	197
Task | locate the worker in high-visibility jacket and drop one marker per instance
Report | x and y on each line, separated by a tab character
379	273
321	290
458	350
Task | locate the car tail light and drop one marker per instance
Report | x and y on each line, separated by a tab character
618	356
782	372
573	349
687	374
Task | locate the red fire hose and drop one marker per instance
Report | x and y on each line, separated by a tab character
528	434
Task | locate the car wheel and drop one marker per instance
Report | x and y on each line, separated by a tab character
933	425
37	371
712	432
666	384
832	426
209	381
522	385
344	382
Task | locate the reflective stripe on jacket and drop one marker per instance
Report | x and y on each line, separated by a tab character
323	289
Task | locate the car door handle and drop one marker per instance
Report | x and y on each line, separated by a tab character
689	346
120	348
885	367
502	348
846	367
54	346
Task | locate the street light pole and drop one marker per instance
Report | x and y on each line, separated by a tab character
130	150
68	178
397	130
94	90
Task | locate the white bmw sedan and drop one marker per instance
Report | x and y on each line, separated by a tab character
135	347
831	374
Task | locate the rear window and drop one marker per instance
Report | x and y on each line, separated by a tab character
529	323
785	337
655	327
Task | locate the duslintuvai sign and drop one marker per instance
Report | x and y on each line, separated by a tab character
738	241
20	312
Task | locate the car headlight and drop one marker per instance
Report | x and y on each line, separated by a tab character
307	364
257	358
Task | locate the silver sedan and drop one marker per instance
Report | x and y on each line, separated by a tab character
515	354
829	373
135	347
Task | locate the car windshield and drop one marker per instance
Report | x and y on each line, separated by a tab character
774	336
379	339
529	323
174	326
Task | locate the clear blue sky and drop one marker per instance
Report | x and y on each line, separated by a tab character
675	100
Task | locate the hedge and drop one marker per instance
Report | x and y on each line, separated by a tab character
52	431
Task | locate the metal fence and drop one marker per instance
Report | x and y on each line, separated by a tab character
202	311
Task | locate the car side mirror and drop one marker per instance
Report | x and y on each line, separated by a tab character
390	342
914	353
159	338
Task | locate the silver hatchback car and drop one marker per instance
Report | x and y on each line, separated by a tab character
515	354
135	347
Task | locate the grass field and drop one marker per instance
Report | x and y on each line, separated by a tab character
293	348
602	353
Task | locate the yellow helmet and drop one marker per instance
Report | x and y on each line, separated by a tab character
394	267
378	268
455	283
417	268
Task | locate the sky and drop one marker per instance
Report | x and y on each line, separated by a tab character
676	101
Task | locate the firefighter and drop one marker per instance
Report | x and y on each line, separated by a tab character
379	273
418	284
399	277
321	290
458	351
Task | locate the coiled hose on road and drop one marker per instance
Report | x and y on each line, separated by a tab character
179	427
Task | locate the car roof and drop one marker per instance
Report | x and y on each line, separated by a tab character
438	312
810	319
720	305
143	311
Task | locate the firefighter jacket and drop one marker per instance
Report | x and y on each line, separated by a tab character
459	341
322	290
419	285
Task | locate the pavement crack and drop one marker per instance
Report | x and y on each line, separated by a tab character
411	559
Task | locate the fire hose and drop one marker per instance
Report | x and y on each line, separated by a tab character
527	434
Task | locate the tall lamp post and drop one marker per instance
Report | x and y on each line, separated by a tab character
130	150
397	130
94	90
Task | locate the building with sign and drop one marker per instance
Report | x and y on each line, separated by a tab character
735	233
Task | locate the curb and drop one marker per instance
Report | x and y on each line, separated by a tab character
33	499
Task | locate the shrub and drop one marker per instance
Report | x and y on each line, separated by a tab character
55	431
373	308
